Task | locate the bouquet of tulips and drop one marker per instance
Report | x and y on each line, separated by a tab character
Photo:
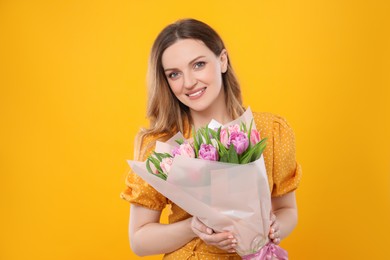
233	144
218	176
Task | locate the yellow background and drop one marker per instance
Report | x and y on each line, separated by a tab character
73	95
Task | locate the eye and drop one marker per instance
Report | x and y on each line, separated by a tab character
173	75
199	64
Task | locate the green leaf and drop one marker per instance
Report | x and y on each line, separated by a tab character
254	153
196	143
259	148
200	136
166	155
207	135
212	132
243	127
224	158
157	155
161	156
162	176
250	126
179	141
249	132
148	166
219	133
222	149
244	156
233	157
156	164
246	159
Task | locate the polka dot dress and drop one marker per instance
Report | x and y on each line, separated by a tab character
283	172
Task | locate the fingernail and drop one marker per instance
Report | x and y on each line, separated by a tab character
234	241
230	236
209	230
232	251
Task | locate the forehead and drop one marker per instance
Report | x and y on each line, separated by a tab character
182	52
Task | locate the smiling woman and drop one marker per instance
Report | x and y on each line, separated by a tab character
191	82
194	76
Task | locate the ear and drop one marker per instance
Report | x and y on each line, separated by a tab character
223	58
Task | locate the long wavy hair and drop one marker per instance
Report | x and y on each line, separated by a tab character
165	112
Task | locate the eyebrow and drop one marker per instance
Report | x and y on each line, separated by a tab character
192	61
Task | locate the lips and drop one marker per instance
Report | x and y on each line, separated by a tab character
196	93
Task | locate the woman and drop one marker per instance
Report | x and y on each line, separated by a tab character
191	81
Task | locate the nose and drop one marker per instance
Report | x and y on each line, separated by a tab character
189	80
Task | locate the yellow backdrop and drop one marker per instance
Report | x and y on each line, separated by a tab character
73	96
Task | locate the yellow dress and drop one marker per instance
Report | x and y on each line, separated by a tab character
283	172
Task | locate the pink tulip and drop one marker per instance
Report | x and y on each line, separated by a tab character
208	152
234	129
166	164
153	168
240	141
187	150
176	151
224	137
255	137
184	149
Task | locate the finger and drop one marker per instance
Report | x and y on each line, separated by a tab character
216	238
229	248
272	218
275	234
272	230
275	226
228	245
222	240
198	225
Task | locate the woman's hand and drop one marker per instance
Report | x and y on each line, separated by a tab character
222	240
274	232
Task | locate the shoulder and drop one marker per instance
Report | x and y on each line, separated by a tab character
269	124
284	173
145	142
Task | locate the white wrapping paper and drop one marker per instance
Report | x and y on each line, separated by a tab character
224	196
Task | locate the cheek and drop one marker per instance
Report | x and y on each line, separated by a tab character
175	86
214	79
213	74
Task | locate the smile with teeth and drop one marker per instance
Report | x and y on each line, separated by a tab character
197	93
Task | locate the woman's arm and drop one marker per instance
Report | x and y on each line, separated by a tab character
286	216
149	237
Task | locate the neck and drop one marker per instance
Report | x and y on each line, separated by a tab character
217	111
203	118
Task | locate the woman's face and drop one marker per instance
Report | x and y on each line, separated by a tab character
194	74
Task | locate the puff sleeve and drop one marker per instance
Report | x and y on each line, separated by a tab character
137	190
284	173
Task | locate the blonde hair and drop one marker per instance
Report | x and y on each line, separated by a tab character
165	112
